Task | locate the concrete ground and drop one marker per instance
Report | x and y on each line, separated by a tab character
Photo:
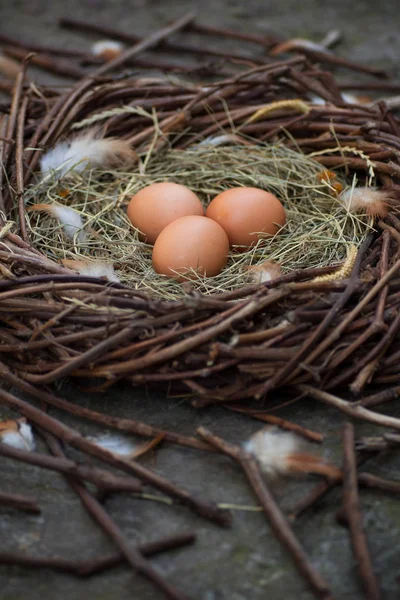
244	562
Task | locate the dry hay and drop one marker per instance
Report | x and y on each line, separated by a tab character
319	229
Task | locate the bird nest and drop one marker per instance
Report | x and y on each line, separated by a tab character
331	316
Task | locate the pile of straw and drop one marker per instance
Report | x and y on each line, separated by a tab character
318	232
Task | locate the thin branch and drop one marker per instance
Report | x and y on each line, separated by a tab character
352	510
72	437
19	502
87	568
351	409
131	553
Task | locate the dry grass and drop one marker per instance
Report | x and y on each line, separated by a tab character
318	232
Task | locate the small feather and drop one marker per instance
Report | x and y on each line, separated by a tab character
222	140
369	200
92	268
70	219
107	49
266	271
18	434
281	453
116	444
87	150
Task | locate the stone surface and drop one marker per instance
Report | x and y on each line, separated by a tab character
244	562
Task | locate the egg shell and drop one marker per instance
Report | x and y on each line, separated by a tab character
244	212
157	205
191	242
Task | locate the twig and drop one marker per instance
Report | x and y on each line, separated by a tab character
351	409
121	424
20	502
166	45
87	568
57	117
276	518
274	420
131	553
379	483
101	478
352	510
72	437
310	343
19	166
380	397
59	67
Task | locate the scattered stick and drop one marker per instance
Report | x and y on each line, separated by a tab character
57	66
274	420
101	478
121	424
131	553
87	568
276	518
19	502
379	483
351	409
352	511
72	437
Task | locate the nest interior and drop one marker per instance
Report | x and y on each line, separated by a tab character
220	340
319	231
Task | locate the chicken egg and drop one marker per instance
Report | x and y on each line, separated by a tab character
191	242
245	213
157	205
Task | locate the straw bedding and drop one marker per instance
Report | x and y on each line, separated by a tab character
319	231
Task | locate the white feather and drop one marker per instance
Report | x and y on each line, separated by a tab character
106	46
317	100
272	448
92	269
70	220
25	431
370	200
86	150
115	443
22	438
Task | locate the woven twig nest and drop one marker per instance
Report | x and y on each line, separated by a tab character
334	331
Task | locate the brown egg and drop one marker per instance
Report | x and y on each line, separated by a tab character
245	212
191	242
157	205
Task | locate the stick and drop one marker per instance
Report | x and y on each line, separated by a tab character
121	424
350	408
276	518
57	117
19	166
302	356
379	483
87	568
131	553
72	437
20	502
103	479
352	511
179	47
314	436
